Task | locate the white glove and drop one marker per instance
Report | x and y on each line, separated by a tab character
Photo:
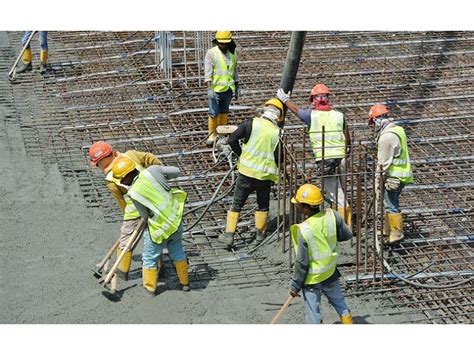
283	96
392	184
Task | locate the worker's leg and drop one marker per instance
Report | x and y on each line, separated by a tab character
394	215
176	252
151	254
212	120
312	304
43	37
334	294
27	57
224	100
263	189
126	231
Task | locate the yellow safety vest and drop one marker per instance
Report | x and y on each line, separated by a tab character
258	159
223	73
400	167
334	139
131	211
166	205
319	232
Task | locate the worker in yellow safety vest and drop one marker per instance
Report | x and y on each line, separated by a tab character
103	156
221	76
257	165
162	207
314	241
394	160
336	142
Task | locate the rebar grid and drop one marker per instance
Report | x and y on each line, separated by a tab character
105	85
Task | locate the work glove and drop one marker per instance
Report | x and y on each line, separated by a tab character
211	94
237	91
293	293
392	184
283	96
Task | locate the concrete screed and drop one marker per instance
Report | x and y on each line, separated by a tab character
51	241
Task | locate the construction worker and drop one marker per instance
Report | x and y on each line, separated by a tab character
162	207
102	155
316	257
336	141
394	160
221	76
257	165
27	57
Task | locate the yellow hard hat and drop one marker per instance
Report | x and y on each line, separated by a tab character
308	194
223	36
122	167
277	103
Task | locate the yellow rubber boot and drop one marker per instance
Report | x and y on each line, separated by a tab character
396	225
182	271
25	64
150	280
44	57
222	119
346	215
211	125
228	236
261	225
124	265
27	56
346	319
386	226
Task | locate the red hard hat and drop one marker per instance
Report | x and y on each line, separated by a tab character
320	89
376	111
98	151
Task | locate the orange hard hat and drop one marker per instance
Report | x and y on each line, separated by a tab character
376	111
98	151
320	89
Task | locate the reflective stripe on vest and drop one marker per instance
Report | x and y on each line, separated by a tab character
258	154
400	167
131	211
319	232
223	73
334	139
166	205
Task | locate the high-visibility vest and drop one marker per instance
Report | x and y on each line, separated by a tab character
400	167
319	232
166	205
258	154
131	211
223	74
334	139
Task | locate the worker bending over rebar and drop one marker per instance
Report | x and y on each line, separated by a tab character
336	142
257	166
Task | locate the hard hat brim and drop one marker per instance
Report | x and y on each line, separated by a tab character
223	40
293	200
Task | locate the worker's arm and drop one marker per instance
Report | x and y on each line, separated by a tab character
301	265
164	173
292	107
242	132
145	213
208	68
145	159
343	232
347	135
117	194
388	147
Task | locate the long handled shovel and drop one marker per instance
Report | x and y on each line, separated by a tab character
137	233
101	265
12	72
282	309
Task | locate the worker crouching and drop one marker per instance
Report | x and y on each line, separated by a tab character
257	166
394	161
316	257
162	207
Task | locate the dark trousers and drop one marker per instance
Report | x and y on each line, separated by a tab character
245	186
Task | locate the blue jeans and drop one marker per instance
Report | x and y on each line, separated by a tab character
152	251
220	104
390	200
43	38
312	301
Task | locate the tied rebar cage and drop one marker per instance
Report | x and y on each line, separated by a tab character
106	86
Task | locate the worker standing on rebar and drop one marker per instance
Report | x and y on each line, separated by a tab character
27	57
221	76
314	241
257	165
394	160
336	142
102	155
162	207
